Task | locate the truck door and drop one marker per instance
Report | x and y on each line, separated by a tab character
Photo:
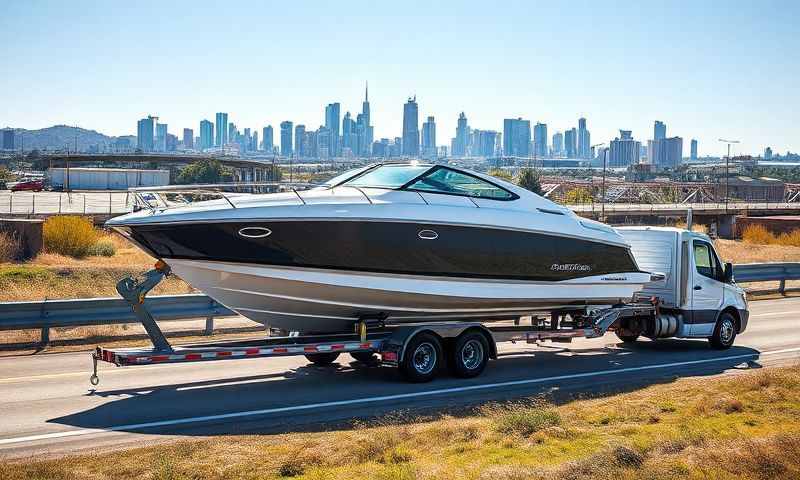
707	289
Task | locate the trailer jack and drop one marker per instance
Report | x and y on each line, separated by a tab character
134	291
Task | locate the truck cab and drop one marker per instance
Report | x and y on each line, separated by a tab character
697	292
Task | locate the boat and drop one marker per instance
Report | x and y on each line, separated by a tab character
399	242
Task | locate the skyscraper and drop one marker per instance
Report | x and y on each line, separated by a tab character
584	140
659	130
484	142
332	124
571	143
768	153
624	150
540	139
286	138
267	139
666	152
222	129
411	128
459	147
429	138
558	144
206	134
299	137
188	138
161	137
348	133
693	149
364	129
145	133
8	139
516	137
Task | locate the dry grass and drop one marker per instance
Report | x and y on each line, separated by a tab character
743	426
9	247
70	235
740	252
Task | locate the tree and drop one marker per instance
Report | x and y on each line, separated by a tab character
205	171
501	174
530	179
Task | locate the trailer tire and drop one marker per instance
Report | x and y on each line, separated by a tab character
627	338
469	355
325	358
422	358
724	332
364	357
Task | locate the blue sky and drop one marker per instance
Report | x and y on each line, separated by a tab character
709	69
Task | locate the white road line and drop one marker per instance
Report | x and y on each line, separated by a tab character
383	398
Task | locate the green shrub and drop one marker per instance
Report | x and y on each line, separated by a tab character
69	235
103	248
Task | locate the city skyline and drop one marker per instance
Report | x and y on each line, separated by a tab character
692	66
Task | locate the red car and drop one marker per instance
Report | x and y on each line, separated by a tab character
28	185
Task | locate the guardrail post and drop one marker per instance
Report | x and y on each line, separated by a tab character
45	337
209	326
782	287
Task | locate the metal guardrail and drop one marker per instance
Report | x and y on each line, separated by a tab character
47	314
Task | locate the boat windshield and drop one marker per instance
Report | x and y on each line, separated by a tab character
388	176
353	172
452	182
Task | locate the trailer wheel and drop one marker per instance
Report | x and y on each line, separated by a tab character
724	332
627	338
469	355
364	357
325	358
422	358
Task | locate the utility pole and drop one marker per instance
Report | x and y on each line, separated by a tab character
727	172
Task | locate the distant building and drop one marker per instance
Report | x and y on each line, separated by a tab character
364	129
484	143
161	137
459	144
145	134
767	153
349	134
170	142
557	149
8	139
332	124
693	150
188	138
299	137
516	137
666	152
222	129
429	138
206	134
410	143
659	130
540	139
624	150
571	143
584	140
267	139
286	138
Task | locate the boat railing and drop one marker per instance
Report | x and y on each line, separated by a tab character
174	196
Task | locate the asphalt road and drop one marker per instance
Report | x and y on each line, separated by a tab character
49	407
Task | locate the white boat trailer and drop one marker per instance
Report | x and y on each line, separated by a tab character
419	350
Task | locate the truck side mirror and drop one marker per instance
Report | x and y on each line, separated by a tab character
727	275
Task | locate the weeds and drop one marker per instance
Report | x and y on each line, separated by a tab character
69	235
103	248
526	421
10	247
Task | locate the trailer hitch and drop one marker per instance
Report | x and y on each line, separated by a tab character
134	291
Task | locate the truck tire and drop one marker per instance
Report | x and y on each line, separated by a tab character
422	358
325	358
724	332
627	338
469	355
364	357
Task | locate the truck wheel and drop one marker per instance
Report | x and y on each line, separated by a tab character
627	338
322	358
469	355
364	357
724	332
422	358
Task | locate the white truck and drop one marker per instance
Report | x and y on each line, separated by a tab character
695	297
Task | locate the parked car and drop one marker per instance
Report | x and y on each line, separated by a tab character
28	185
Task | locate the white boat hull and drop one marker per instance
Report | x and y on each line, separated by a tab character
322	300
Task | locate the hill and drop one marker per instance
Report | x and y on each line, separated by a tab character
61	137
